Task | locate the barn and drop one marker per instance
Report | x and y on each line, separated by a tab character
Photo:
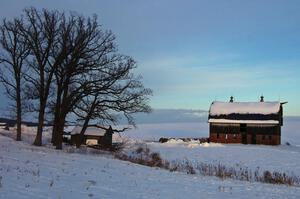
246	122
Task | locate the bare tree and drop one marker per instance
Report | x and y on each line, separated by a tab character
120	93
75	40
86	46
12	57
94	70
40	32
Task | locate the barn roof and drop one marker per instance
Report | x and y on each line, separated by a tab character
242	108
91	130
226	121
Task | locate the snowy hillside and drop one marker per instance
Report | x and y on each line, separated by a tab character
42	172
32	172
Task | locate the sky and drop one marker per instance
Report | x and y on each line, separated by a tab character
193	52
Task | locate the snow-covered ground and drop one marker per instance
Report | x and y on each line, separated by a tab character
34	172
43	172
272	158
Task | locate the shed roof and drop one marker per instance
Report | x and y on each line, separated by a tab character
91	130
227	108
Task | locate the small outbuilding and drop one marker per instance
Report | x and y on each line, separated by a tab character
246	122
94	135
4	126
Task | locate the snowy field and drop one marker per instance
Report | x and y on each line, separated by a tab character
283	158
152	132
30	172
43	172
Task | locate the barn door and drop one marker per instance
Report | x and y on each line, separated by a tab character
243	131
244	138
253	138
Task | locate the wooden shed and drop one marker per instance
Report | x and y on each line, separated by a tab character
246	122
94	135
4	126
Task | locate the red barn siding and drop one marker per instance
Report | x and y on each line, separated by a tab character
222	138
255	134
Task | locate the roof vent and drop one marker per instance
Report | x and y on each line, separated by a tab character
231	99
262	98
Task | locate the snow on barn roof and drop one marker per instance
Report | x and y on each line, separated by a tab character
226	108
225	121
91	130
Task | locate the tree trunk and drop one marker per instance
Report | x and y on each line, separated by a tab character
84	127
59	132
59	138
56	119
38	138
19	111
60	128
54	131
86	122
